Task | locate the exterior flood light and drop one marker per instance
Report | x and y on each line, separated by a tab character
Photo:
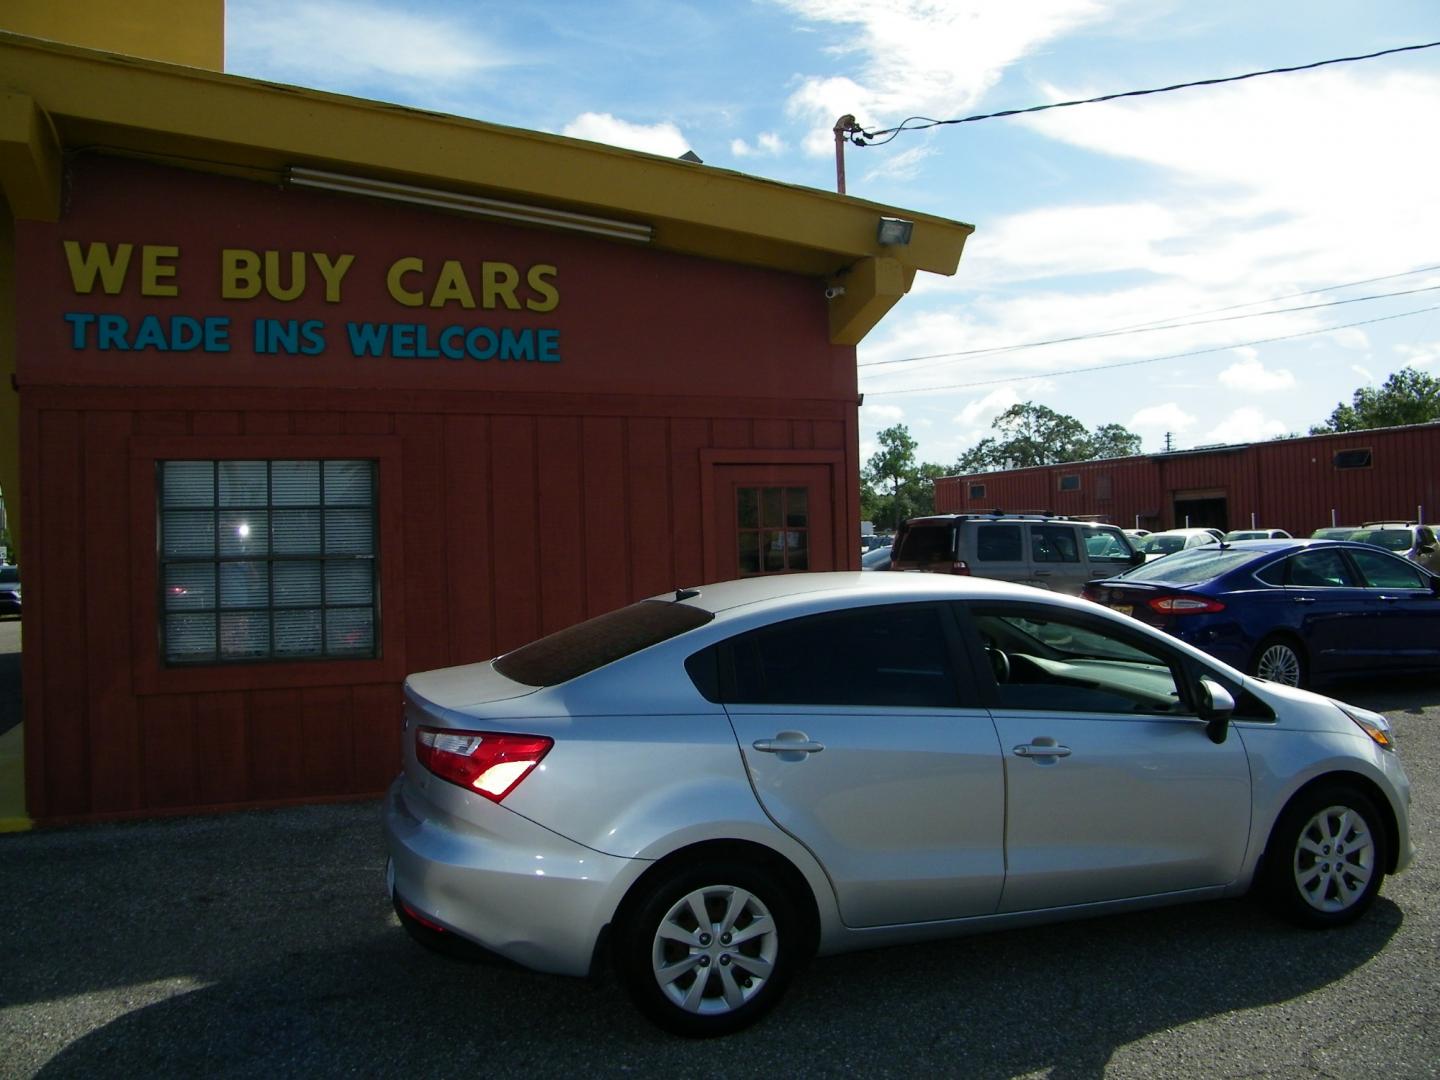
894	232
477	205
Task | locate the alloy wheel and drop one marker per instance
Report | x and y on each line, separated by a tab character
1334	859
714	949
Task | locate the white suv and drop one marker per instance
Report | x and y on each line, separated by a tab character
1056	553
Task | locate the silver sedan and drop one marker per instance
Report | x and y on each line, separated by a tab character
706	788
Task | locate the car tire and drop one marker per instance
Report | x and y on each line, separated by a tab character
1326	858
1282	660
709	948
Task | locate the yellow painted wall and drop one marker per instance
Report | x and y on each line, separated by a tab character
189	32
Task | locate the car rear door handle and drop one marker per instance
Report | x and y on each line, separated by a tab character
1041	750
789	742
1303	599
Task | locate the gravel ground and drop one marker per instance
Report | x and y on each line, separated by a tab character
262	944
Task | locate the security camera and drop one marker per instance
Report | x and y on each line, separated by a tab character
832	291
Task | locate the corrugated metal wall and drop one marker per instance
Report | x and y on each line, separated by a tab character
1290	484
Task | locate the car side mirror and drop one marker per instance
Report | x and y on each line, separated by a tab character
1137	558
1216	706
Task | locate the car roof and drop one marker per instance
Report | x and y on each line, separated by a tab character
785	589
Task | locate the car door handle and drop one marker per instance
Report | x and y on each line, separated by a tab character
1041	750
1303	599
1044	573
796	743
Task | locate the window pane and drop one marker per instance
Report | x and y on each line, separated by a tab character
773	545
797	550
1387	572
297	584
297	633
749	553
244	635
771	514
349	630
297	532
295	483
797	507
349	583
879	657
243	483
747	508
349	532
189	585
190	637
348	483
244	584
998	543
188	483
244	532
188	533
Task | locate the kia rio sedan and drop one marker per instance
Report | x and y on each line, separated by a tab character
704	789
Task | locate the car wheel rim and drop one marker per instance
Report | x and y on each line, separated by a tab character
1334	859
1279	664
714	950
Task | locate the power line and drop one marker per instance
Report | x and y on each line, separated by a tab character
1150	360
1149	328
861	137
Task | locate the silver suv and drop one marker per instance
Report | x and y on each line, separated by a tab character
1056	553
1407	539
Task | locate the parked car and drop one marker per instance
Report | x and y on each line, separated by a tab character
1256	534
1335	532
1136	534
876	559
1290	611
9	590
707	787
1050	552
1406	538
1169	541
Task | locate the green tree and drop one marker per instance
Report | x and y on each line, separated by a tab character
894	485
1028	434
1407	397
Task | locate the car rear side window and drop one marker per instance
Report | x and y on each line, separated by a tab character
882	657
1387	572
576	650
998	543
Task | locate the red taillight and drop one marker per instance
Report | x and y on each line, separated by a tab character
1184	605
960	566
484	761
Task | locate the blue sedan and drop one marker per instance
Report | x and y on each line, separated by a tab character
1291	611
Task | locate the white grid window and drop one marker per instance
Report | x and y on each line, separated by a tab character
267	560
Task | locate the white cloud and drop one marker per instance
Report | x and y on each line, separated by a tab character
989	406
664	138
882	414
1158	419
767	143
1245	424
331	43
1422	355
1250	376
919	57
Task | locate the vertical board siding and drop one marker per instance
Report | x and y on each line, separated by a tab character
114	735
61	598
511	526
469	591
561	523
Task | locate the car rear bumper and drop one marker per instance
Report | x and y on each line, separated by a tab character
517	889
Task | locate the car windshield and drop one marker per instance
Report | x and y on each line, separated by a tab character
1248	535
1196	564
1160	544
1390	539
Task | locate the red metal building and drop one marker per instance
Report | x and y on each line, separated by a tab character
1298	485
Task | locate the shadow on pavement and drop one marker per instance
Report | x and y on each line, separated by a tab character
263	943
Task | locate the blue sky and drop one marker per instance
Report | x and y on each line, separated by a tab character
1197	206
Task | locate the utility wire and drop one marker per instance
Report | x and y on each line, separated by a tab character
1146	328
862	137
1150	360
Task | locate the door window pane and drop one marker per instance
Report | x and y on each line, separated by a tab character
1386	571
772	529
876	657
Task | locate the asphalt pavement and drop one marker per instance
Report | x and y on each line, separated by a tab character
262	944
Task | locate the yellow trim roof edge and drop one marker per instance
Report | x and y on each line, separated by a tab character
224	123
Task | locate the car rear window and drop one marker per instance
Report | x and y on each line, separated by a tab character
926	544
1194	564
567	654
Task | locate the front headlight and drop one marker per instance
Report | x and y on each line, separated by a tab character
1372	723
